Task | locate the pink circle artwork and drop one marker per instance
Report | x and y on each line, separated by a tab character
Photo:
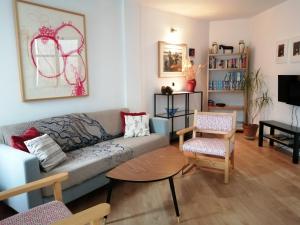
73	73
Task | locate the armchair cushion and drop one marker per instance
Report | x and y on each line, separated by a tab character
208	146
45	214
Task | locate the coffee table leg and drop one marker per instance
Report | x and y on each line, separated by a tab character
174	197
108	197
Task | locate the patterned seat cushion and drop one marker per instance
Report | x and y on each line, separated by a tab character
208	146
45	214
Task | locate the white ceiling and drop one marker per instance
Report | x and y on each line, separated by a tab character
213	9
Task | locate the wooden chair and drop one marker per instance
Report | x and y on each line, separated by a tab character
55	212
206	152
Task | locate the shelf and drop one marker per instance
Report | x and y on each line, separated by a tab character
229	69
227	107
284	140
177	114
179	93
230	54
225	91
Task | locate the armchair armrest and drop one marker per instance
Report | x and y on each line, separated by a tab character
229	135
185	130
54	180
159	125
91	215
18	168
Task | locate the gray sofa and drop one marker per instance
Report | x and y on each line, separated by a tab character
86	166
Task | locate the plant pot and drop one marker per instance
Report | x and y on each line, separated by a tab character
190	85
250	131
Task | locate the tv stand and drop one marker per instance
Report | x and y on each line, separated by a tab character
292	142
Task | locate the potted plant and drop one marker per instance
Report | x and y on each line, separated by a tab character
257	98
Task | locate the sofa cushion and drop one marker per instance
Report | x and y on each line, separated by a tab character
18	141
85	163
137	126
73	131
47	151
45	214
123	114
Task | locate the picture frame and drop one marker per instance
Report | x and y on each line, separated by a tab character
282	49
171	59
295	49
52	51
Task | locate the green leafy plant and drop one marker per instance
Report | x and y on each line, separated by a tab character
257	95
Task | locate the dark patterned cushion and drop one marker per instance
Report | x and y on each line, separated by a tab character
73	131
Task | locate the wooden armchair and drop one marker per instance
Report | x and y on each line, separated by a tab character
207	152
55	212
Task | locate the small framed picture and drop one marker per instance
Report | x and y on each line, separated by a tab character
295	49
191	52
282	51
171	58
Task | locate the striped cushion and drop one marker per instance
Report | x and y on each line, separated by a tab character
45	214
46	150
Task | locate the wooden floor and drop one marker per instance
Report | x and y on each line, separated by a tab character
264	190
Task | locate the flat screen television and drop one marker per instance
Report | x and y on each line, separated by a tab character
289	89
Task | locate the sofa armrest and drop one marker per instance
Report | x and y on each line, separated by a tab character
159	125
18	168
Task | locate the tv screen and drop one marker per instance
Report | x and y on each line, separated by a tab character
289	89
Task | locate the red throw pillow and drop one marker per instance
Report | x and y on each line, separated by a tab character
18	141
123	114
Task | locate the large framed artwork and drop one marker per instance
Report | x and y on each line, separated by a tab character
171	58
282	51
52	52
295	49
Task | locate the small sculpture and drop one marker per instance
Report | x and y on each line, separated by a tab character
225	47
166	90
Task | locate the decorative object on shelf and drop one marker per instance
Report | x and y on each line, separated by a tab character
257	98
282	51
241	46
232	63
211	102
52	52
225	47
190	75
171	112
166	90
220	104
170	59
295	49
191	52
215	48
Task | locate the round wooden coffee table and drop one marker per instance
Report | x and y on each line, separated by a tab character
160	164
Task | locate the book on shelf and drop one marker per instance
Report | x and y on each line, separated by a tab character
232	63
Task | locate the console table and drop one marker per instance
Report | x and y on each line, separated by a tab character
292	142
186	112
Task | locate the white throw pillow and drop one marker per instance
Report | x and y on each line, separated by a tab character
46	150
136	126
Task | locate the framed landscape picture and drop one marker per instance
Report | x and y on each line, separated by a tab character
295	49
282	51
171	59
52	52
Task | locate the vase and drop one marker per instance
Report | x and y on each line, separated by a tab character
190	85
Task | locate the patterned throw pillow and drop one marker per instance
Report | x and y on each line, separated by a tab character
136	126
73	131
47	151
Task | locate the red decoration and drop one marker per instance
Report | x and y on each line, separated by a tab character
190	85
123	114
18	141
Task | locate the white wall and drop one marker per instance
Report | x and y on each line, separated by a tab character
229	32
147	26
280	22
105	63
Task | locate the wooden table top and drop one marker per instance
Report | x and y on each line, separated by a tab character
157	165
